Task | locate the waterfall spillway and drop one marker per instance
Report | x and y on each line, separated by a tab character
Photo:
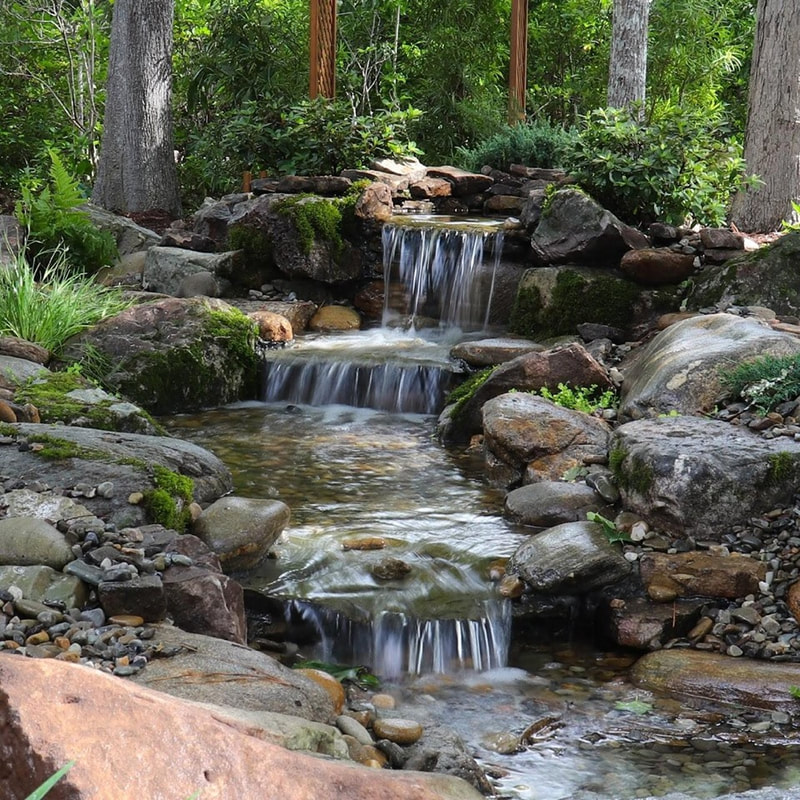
442	272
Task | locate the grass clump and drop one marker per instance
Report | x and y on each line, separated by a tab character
60	304
764	382
580	398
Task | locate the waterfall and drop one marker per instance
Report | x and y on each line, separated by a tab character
396	644
441	272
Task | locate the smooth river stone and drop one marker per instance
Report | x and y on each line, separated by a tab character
354	728
400	731
334	689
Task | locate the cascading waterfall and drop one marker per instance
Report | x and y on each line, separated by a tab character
442	273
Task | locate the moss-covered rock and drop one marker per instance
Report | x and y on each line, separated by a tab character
554	300
174	355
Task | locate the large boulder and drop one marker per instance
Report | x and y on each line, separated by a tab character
551	301
575	229
167	269
679	370
130	237
529	439
172	355
691	476
27	541
573	558
155	746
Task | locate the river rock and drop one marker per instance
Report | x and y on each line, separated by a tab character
489	352
400	731
176	354
187	748
166	268
696	574
45	585
272	327
335	318
529	439
27	541
679	369
21	348
428	187
550	503
333	687
643	625
577	230
657	266
573	558
241	530
698	477
15	371
462	183
714	677
326	185
375	203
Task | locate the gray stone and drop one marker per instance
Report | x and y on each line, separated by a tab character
28	541
489	352
166	268
44	505
18	370
130	237
574	558
679	369
44	584
241	530
141	596
200	284
695	476
549	503
352	727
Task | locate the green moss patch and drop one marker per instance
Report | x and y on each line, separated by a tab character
465	391
168	502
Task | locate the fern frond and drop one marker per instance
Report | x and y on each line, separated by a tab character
66	194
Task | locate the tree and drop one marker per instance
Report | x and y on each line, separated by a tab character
772	139
137	169
627	69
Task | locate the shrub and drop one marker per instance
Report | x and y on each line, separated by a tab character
764	382
580	398
680	165
536	144
54	222
57	306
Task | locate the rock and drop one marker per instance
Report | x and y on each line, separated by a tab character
45	585
7	413
396	183
335	318
792	600
657	266
528	439
408	167
12	238
721	238
693	476
428	187
241	530
130	237
532	371
272	327
490	352
375	203
27	541
21	348
167	268
550	503
679	368
187	240
552	301
702	574
577	230
143	596
400	731
174	355
370	300
642	625
462	182
187	747
326	185
352	727
717	678
504	204
591	331
334	689
390	569
212	218
15	371
573	558
200	284
298	313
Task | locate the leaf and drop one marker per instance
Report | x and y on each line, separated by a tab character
38	794
611	531
634	706
794	691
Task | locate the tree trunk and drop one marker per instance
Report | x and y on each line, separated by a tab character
627	68
772	141
137	169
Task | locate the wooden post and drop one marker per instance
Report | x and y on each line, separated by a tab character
518	68
322	73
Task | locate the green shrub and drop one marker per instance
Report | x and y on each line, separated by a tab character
580	398
59	305
55	223
679	165
764	382
536	144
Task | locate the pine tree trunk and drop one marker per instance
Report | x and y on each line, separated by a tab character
772	141
627	68
137	171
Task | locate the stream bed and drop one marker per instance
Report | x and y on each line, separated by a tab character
548	720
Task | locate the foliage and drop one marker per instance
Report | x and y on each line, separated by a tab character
580	398
764	382
55	223
39	793
610	530
683	164
58	306
536	144
168	502
794	691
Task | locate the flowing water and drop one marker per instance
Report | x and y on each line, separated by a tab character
387	559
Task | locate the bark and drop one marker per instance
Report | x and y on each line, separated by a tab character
137	169
627	69
772	141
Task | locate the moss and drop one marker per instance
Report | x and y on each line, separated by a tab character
781	466
256	245
615	460
315	218
59	449
465	391
526	311
637	477
168	502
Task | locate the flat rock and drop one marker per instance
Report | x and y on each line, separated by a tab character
643	625
462	182
166	268
709	676
573	558
489	352
698	477
550	503
45	585
657	266
187	748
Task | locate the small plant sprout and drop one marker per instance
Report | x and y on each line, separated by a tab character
611	531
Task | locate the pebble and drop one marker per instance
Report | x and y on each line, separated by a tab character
355	729
400	731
